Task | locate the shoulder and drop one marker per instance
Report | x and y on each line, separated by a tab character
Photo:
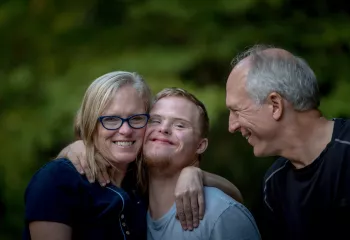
341	131
60	166
53	194
57	165
54	173
280	165
217	202
227	217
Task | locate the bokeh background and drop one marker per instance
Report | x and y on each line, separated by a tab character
52	50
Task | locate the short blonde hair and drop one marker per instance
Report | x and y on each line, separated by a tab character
96	98
179	92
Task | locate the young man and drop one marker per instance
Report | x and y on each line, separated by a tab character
175	138
273	100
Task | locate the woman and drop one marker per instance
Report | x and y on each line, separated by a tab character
61	203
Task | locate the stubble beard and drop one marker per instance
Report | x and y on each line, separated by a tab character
156	162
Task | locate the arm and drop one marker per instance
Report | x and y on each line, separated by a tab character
76	153
51	201
189	194
235	223
49	230
212	180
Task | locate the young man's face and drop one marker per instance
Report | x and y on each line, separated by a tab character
172	140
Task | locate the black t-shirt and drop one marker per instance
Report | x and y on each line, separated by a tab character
58	193
312	202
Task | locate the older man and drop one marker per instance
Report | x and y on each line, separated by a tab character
273	100
175	138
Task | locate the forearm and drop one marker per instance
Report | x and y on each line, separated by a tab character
49	230
213	180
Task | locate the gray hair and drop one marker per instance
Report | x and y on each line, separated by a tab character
290	76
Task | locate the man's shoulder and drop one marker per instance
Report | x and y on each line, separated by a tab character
217	202
222	211
341	131
215	197
279	165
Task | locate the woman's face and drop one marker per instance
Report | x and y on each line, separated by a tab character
122	145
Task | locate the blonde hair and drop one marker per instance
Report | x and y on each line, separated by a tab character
179	92
96	99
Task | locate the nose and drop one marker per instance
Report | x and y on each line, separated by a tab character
125	129
165	128
233	124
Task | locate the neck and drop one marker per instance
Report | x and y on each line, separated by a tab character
117	173
306	137
161	193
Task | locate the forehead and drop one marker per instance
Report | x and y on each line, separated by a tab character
235	85
125	101
176	107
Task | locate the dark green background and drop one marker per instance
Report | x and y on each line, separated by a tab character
52	50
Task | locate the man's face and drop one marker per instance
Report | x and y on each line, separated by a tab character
254	121
172	139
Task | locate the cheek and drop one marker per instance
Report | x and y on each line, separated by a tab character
187	142
140	134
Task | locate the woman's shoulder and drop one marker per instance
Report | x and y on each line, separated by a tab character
56	172
58	166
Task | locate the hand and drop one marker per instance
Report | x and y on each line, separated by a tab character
189	197
76	153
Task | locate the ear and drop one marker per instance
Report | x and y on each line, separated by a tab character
203	144
275	102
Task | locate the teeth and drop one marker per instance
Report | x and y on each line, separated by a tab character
123	144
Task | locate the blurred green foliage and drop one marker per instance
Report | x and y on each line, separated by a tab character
52	50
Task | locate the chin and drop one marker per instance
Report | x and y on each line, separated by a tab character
124	158
262	152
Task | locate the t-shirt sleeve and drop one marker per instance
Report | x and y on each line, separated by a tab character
235	223
52	194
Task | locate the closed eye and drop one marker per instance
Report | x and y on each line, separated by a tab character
153	120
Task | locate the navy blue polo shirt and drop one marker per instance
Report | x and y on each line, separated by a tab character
58	193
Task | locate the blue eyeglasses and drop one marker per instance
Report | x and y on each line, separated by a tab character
114	122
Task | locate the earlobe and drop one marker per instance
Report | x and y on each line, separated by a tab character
276	102
202	146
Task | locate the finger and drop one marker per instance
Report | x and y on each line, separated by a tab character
201	205
86	168
105	175
195	210
188	212
180	213
78	166
103	168
100	178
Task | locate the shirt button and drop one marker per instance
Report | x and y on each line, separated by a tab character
123	224
127	233
122	216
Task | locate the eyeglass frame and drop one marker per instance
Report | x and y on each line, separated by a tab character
124	120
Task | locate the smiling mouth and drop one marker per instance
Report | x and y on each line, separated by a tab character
124	143
247	136
162	141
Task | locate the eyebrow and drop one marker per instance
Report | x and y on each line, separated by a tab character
177	119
